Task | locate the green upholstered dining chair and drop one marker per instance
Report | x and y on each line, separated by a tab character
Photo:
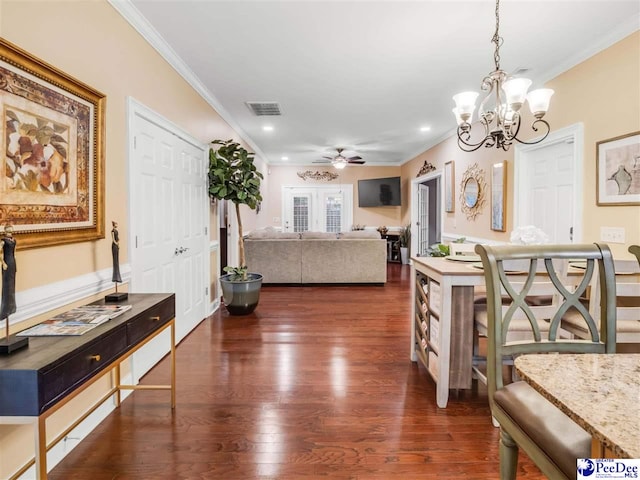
627	306
542	298
527	420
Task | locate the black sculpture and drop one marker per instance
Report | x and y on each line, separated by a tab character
115	253
8	303
115	277
8	258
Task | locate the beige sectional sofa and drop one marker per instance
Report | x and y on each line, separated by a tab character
313	257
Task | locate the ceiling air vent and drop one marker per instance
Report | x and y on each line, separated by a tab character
264	108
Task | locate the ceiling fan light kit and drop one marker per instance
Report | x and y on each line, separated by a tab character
340	165
500	118
340	161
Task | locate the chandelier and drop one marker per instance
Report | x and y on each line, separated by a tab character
499	111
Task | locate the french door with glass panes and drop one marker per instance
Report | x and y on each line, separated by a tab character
317	209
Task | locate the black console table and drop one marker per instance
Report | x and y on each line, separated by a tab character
37	381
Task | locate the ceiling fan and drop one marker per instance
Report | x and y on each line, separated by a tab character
340	161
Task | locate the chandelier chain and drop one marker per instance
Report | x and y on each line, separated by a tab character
497	39
500	115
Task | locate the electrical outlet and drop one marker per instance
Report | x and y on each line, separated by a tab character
612	234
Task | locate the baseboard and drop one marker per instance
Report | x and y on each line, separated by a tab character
213	306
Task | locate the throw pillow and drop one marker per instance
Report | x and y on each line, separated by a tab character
360	234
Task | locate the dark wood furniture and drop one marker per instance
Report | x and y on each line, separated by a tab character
393	247
37	381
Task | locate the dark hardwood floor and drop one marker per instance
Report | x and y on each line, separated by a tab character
316	383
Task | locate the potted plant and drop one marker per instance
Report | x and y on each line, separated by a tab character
442	250
404	239
233	176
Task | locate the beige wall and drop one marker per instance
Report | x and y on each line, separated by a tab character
97	46
603	94
280	176
103	51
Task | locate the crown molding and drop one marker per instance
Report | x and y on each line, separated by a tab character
133	16
623	30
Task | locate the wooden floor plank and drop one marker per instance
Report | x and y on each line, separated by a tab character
317	383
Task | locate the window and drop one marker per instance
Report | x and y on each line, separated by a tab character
333	213
319	209
300	213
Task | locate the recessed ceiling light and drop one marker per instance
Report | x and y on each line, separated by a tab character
425	129
267	128
284	158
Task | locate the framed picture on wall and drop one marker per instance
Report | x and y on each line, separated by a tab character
449	187
618	170
498	196
51	174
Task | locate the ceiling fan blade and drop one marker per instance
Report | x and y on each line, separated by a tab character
355	162
355	157
321	161
328	158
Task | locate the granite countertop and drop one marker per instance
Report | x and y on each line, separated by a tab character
600	392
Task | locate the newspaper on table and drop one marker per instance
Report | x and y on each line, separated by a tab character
77	321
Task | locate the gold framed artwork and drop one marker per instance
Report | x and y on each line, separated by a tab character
618	170
473	191
52	169
498	196
449	187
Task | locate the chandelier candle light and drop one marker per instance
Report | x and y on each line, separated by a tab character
500	118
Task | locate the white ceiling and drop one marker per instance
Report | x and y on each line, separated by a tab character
364	75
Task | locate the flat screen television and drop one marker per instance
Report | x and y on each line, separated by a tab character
379	192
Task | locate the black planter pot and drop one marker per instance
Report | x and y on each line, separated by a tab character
241	297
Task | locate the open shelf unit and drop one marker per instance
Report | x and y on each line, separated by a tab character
442	326
427	323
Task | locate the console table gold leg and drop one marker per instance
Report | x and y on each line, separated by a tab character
117	384
173	363
41	448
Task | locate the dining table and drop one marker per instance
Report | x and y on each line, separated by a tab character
600	392
459	279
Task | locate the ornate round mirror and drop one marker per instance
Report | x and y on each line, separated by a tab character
471	190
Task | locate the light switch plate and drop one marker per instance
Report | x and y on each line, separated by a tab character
612	234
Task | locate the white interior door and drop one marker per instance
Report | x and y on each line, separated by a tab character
192	239
422	225
549	188
169	223
426	212
155	217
